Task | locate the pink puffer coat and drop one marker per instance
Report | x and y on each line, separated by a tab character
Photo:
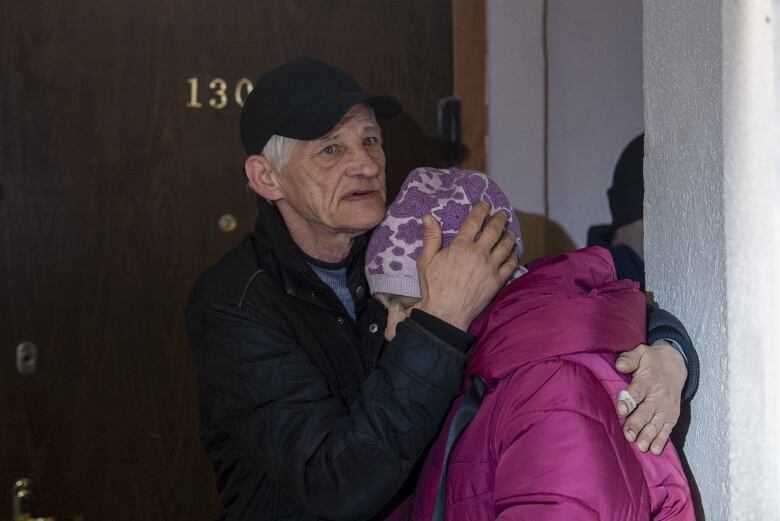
546	443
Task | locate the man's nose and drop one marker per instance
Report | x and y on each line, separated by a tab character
361	162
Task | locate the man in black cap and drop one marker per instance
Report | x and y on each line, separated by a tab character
306	412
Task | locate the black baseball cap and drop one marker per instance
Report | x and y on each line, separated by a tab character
304	99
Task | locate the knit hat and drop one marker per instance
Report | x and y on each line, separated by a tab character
448	195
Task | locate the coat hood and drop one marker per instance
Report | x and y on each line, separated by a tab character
567	304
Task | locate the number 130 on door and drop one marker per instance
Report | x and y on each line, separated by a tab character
220	93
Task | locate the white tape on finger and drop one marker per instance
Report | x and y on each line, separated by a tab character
626	398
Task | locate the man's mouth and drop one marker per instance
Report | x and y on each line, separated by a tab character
360	194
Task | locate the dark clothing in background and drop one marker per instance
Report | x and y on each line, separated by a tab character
626	199
627	194
306	414
628	264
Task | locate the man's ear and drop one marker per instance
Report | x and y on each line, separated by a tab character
261	175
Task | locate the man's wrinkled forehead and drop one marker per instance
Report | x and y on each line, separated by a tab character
359	113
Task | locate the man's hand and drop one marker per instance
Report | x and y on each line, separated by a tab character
457	282
659	376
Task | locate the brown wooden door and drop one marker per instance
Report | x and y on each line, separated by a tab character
111	189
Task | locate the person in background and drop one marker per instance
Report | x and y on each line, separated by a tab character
624	238
534	434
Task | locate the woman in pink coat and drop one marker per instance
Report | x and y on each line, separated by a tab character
534	435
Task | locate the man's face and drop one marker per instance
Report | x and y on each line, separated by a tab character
336	184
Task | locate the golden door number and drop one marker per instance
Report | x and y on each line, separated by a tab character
219	93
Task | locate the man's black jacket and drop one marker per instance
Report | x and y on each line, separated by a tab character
305	413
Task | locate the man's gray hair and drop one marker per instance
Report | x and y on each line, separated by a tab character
278	151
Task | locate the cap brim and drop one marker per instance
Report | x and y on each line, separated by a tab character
320	117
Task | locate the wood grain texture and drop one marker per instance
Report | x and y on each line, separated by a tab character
110	192
469	48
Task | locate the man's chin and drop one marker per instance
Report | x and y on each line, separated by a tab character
367	224
366	213
362	222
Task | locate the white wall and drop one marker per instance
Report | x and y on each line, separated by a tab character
712	238
594	97
515	101
595	100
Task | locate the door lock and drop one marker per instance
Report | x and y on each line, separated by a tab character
26	358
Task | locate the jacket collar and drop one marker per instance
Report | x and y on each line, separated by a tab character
275	247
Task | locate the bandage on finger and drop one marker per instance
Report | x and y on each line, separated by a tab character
626	398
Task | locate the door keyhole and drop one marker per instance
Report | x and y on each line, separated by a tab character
27	358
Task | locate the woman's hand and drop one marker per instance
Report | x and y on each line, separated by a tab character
659	374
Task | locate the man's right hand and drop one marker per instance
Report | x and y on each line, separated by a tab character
457	282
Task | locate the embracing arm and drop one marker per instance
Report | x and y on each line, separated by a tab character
662	325
266	410
662	376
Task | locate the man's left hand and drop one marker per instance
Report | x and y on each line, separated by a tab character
659	374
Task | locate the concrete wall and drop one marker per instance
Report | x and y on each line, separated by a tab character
594	95
712	219
684	232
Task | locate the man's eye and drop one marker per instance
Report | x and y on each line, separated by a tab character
370	141
329	150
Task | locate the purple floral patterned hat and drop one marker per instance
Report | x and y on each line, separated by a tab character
449	195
